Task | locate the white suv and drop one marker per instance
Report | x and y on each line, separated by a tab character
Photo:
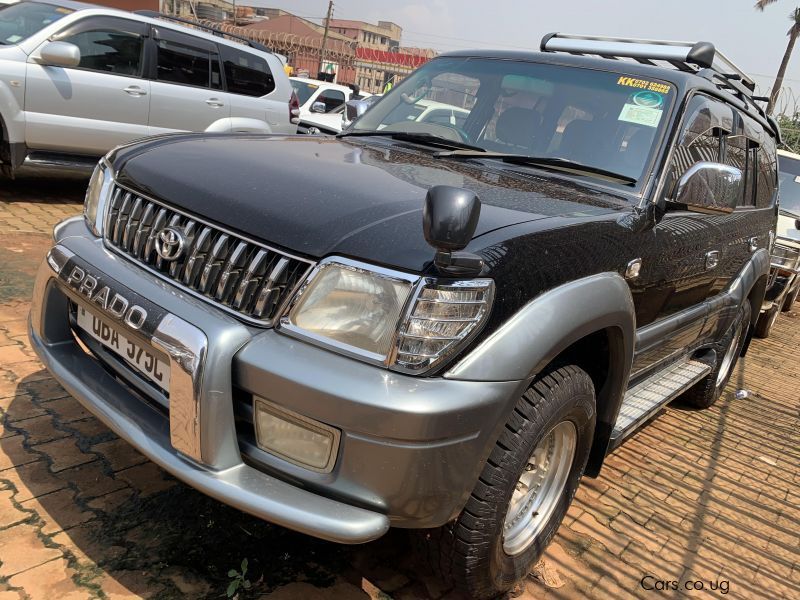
321	104
77	80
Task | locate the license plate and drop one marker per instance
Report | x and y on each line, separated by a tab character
139	356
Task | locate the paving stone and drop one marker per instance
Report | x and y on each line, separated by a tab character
51	580
119	453
22	549
32	480
9	513
13	452
64	453
58	511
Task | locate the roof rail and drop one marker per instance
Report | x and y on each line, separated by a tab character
154	14
686	56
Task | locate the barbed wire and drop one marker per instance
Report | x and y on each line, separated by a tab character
346	53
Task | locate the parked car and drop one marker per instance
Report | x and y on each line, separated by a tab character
77	80
426	325
322	104
784	280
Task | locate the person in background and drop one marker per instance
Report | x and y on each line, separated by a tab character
387	87
289	70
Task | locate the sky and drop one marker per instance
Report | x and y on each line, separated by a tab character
754	40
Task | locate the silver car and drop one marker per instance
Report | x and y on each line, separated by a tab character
77	80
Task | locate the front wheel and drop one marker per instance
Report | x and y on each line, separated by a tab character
524	490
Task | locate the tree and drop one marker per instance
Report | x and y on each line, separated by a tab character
790	131
793	33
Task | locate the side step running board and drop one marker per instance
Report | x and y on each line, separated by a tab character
645	399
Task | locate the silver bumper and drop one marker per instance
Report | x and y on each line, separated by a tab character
189	442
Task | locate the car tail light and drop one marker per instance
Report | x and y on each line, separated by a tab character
294	108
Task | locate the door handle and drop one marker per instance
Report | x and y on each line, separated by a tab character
712	259
752	244
134	90
215	103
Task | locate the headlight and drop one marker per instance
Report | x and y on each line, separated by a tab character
785	257
352	307
96	196
401	321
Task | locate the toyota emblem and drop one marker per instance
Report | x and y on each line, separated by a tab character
170	243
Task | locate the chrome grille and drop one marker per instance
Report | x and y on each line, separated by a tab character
249	279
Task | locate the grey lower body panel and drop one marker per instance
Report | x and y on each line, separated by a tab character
411	448
241	486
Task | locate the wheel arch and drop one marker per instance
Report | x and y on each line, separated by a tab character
239	125
589	322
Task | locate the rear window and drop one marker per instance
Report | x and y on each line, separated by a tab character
304	90
184	64
20	21
245	73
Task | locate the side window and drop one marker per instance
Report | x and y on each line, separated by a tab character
245	73
706	123
108	45
183	60
333	99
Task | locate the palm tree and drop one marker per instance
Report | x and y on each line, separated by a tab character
793	34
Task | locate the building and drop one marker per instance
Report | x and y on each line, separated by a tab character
300	41
380	56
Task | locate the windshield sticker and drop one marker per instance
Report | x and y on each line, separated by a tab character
797	179
63	11
653	86
13	39
648	99
641	115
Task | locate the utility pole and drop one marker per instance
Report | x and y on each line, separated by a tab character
325	36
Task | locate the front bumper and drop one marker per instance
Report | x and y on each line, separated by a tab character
410	452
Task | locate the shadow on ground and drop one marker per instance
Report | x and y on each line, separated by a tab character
157	537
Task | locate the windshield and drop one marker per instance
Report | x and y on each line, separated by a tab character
20	21
304	90
789	183
599	119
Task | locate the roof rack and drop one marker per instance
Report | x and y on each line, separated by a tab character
154	14
685	56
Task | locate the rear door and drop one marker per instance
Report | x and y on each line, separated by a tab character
102	102
186	91
251	89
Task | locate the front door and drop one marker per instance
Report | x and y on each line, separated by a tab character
101	103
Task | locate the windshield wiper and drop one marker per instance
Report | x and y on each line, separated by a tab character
427	139
539	161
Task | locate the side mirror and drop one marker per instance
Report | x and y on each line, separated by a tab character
60	54
449	219
354	109
710	187
319	107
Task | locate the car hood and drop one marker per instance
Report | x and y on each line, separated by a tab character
353	197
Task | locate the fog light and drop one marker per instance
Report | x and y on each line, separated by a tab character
294	437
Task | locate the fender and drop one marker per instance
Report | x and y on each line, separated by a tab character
239	125
549	325
12	120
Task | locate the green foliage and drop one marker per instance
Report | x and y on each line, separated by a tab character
790	130
238	580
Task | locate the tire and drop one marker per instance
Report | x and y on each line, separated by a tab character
470	553
765	322
708	390
791	299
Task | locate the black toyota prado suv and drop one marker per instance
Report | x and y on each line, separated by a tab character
438	324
